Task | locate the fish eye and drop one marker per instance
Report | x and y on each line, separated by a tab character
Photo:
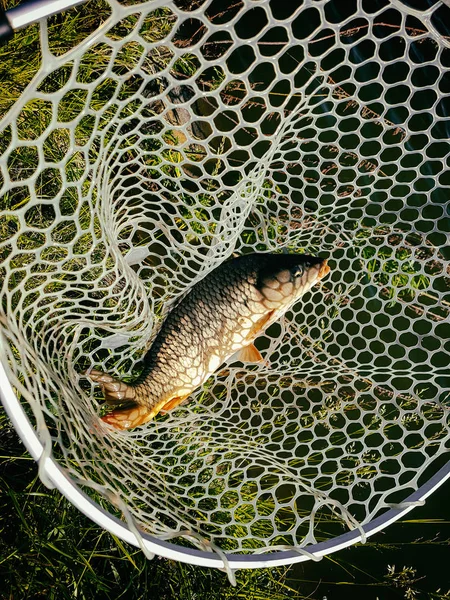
297	271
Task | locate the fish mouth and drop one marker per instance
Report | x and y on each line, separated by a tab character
324	269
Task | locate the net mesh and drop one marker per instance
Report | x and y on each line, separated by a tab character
177	134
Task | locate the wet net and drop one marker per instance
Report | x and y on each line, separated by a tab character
176	134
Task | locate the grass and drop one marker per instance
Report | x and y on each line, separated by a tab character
47	548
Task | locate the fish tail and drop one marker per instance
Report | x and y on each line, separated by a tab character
127	418
115	391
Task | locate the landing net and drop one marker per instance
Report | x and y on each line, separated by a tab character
176	134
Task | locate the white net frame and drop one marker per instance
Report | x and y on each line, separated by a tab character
322	129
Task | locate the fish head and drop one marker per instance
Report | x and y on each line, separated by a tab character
286	277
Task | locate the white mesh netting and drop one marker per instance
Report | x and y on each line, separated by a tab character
179	133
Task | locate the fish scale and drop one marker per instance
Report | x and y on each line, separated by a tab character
222	314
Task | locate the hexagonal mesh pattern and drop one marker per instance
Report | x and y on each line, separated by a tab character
178	134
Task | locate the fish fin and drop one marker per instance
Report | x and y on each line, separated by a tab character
324	270
173	403
250	354
260	325
127	418
116	392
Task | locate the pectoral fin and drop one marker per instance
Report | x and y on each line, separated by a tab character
260	325
249	354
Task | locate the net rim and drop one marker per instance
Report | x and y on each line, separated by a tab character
115	526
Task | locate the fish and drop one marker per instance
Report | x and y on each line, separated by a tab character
218	319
